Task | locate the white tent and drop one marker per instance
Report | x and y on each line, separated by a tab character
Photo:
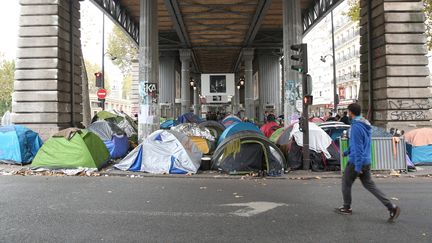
319	140
163	152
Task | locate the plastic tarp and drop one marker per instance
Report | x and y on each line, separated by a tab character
421	155
229	120
319	140
163	152
168	124
189	118
83	150
239	127
18	144
193	130
419	137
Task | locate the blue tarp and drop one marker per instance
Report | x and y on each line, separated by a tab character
421	155
239	127
189	118
168	124
18	144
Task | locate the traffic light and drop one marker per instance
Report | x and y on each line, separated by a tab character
99	80
300	57
308	99
101	103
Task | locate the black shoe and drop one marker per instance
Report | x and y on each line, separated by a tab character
343	210
394	214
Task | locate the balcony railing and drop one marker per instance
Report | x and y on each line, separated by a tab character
348	77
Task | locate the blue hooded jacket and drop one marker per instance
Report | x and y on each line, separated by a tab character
360	143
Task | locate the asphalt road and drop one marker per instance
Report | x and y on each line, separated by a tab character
122	209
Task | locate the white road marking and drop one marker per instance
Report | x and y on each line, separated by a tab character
254	208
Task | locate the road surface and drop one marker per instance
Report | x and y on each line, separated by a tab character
123	209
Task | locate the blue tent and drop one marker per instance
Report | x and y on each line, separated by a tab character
113	137
239	127
168	124
189	118
18	144
229	120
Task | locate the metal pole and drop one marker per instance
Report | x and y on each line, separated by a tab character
72	63
370	60
103	58
305	117
335	95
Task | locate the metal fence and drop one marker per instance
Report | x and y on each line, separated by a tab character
387	153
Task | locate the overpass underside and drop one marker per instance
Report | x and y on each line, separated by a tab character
181	39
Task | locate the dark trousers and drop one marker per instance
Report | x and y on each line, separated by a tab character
365	177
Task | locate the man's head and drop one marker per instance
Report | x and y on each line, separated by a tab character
345	113
271	118
354	110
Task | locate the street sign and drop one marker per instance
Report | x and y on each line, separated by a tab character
101	93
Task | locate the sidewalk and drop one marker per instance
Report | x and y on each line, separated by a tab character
6	169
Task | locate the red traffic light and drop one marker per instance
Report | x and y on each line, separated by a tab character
308	99
98	74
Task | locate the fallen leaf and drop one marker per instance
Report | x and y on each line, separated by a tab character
238	196
203	188
395	198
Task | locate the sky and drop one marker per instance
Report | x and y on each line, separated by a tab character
91	35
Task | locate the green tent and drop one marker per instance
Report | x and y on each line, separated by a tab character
275	135
82	149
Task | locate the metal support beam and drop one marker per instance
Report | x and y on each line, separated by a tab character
316	11
174	10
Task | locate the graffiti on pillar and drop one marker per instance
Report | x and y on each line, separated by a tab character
408	115
148	93
292	92
404	104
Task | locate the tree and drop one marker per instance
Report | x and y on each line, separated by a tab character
428	13
7	69
354	14
353	10
91	69
122	50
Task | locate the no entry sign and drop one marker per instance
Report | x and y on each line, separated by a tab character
101	94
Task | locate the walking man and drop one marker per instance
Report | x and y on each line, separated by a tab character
359	162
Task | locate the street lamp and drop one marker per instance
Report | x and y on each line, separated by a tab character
335	94
192	82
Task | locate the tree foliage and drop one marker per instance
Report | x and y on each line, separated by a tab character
354	14
428	13
353	10
7	69
122	50
91	69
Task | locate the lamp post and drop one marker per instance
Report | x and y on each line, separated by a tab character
333	55
335	94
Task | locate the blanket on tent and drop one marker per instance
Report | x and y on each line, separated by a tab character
319	140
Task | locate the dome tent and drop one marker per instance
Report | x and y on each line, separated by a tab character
247	152
229	120
113	137
239	127
18	144
216	128
163	152
71	149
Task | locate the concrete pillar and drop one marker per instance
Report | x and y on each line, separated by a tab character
400	90
269	86
47	89
292	34
248	55
185	58
167	62
134	96
148	119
